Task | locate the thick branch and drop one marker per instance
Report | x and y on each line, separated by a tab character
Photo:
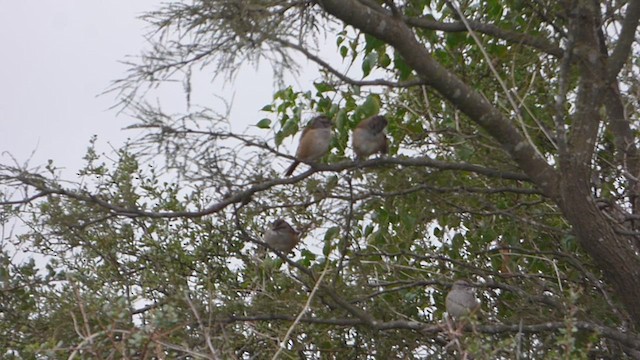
624	138
622	50
586	118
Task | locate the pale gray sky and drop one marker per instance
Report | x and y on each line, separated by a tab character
59	55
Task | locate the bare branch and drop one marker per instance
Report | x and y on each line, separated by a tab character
324	65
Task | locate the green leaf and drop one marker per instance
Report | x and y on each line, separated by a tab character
384	60
344	51
456	39
457	242
307	257
331	233
323	87
494	9
264	123
465	152
370	107
290	127
401	66
372	42
369	62
437	231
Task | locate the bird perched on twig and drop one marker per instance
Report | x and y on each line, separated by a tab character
369	137
461	300
314	142
281	236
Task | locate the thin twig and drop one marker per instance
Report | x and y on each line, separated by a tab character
507	93
283	343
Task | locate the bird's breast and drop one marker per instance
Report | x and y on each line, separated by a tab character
314	144
366	143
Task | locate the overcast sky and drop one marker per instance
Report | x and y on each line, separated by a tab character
58	56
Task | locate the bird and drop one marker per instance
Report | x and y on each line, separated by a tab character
281	236
369	138
461	300
314	142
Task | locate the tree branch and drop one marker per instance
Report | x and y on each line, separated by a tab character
245	195
492	329
324	65
622	50
586	119
28	199
488	29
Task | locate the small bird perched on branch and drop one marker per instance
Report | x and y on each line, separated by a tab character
461	300
314	142
281	236
369	137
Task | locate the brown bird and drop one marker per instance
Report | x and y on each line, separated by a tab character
461	300
314	142
281	236
369	137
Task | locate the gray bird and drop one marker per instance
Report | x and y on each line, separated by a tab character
281	236
461	300
314	142
369	138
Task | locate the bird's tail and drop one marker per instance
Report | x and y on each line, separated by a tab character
292	168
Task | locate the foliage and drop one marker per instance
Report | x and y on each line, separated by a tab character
490	104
